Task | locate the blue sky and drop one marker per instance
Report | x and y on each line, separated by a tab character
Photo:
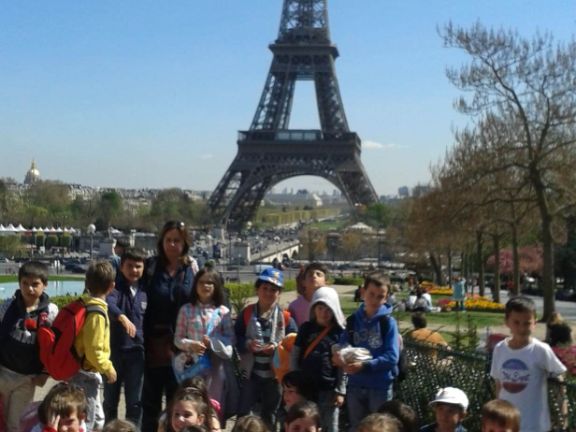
142	93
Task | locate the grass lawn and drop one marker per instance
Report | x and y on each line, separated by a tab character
480	319
436	320
14	278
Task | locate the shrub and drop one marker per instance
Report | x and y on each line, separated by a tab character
239	295
348	280
63	300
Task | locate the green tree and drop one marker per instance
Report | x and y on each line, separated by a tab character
52	195
51	241
175	204
352	245
65	240
11	245
378	215
110	206
314	244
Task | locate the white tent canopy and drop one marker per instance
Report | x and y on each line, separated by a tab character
360	226
10	228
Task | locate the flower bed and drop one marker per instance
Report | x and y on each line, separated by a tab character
475	303
434	289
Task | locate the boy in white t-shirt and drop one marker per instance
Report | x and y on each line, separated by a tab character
522	364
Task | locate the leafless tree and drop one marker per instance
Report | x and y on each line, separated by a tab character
527	90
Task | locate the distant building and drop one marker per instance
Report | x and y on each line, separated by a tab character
132	198
420	190
403	191
33	175
302	197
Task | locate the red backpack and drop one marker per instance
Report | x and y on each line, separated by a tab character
56	343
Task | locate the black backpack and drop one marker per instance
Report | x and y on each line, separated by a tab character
402	365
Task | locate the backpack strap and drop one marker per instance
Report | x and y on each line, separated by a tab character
287	317
384	324
94	309
248	310
316	341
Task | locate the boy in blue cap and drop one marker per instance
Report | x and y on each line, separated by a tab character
259	328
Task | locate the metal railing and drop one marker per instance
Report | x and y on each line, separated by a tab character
433	368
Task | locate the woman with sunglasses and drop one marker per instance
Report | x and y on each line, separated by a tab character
169	277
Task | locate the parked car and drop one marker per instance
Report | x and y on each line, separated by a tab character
79	268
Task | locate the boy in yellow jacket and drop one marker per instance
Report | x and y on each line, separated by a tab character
93	342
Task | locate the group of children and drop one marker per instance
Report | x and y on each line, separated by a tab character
333	359
20	367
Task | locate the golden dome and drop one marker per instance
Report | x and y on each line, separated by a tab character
32	175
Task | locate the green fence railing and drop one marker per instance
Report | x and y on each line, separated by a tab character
433	368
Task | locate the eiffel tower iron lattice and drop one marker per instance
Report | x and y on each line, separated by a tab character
270	152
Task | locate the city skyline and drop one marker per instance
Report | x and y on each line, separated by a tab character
151	95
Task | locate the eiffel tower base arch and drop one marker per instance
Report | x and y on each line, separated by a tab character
262	163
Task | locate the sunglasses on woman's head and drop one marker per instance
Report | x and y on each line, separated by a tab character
174	224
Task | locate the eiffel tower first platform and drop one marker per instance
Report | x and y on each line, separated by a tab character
269	152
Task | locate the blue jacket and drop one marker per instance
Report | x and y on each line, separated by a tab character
166	295
379	372
121	302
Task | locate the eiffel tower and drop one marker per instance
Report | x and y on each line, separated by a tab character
269	152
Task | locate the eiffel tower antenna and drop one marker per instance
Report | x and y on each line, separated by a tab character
270	152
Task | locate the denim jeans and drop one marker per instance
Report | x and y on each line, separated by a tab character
129	367
267	391
329	413
362	401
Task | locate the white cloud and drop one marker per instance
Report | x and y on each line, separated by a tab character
373	145
206	156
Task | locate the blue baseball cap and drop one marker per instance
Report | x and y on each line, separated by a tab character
273	276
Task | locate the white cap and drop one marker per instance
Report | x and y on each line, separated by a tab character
451	395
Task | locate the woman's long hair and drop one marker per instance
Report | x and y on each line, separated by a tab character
182	230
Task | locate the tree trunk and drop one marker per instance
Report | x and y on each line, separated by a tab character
436	266
568	267
496	288
449	251
465	259
480	258
515	262
548	282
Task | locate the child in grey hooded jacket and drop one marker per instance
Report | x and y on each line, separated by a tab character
312	353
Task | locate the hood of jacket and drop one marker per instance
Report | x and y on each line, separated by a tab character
329	297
